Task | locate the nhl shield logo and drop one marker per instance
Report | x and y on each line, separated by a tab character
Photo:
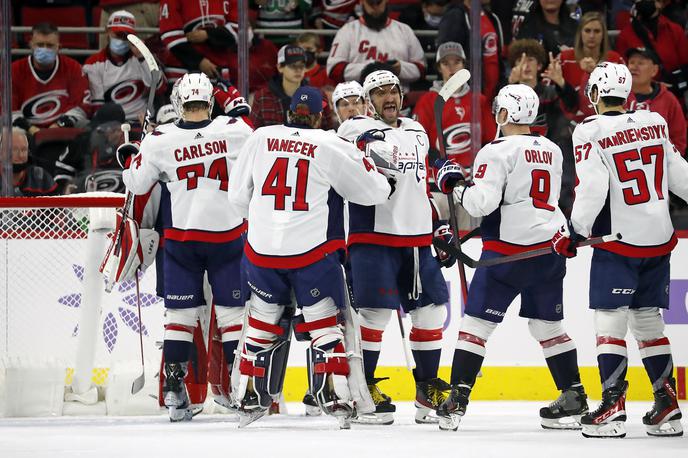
315	292
236	294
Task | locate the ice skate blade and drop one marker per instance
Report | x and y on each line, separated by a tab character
312	411
425	416
226	403
344	422
248	417
374	419
671	428
613	430
177	415
449	422
569	423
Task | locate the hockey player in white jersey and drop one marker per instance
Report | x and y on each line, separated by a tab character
515	189
289	182
626	167
347	99
389	251
202	233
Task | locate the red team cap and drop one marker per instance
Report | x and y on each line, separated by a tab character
306	100
122	21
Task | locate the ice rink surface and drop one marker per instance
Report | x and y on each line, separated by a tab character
490	429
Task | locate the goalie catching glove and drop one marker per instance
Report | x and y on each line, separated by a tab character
137	251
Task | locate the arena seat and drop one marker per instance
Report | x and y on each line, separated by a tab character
62	16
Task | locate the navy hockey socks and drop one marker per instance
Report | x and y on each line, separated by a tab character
612	359
371	342
656	355
468	358
562	360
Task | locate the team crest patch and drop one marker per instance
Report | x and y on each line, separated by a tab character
236	294
315	292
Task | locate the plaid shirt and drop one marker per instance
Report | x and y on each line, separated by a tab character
270	105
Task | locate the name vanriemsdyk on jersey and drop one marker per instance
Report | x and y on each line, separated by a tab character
626	166
516	185
194	160
290	184
405	219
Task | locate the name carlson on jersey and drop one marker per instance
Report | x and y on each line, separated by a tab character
633	135
200	150
291	146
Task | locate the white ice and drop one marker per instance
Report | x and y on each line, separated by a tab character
499	429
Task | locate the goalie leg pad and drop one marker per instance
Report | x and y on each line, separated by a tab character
229	324
123	265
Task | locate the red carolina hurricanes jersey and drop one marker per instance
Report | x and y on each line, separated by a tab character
42	102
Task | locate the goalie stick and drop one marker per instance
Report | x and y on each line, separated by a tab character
140	381
450	87
474	263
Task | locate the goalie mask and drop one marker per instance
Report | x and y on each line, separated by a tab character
611	80
192	87
377	79
344	90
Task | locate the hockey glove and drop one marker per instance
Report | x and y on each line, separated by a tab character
449	175
385	157
444	232
125	152
565	241
66	121
369	136
231	101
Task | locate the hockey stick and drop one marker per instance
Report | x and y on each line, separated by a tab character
474	263
405	343
450	87
137	384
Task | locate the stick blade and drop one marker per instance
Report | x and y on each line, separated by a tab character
145	52
138	383
455	82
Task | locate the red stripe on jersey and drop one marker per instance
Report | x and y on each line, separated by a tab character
425	335
555	341
317	324
295	261
390	240
653	343
509	248
195	235
371	335
471	338
633	251
606	340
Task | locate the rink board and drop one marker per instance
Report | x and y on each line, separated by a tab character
46	327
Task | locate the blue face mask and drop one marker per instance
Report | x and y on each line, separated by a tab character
44	56
119	47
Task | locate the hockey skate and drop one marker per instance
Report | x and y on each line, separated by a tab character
664	419
384	409
250	408
454	407
429	396
609	418
174	391
566	411
311	405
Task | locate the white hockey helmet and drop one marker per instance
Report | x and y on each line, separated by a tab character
377	79
520	102
611	80
343	90
192	87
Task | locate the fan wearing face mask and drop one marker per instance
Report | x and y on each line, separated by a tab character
315	73
118	72
28	180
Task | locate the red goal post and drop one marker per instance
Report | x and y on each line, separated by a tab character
54	312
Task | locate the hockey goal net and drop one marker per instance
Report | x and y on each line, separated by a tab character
55	318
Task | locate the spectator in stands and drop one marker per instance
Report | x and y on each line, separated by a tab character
652	30
280	14
455	26
315	73
28	180
591	46
647	94
426	16
48	89
376	37
333	14
270	104
456	116
118	73
146	13
550	23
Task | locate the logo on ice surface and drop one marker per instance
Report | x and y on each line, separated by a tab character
125	313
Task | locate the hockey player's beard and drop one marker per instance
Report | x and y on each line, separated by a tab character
375	22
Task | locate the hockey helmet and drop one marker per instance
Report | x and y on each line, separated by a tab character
192	87
611	80
520	101
380	78
343	90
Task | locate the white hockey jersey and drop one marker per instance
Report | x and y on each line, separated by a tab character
357	45
193	160
290	182
626	166
516	185
405	219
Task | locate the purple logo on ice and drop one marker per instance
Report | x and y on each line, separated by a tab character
127	314
678	302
